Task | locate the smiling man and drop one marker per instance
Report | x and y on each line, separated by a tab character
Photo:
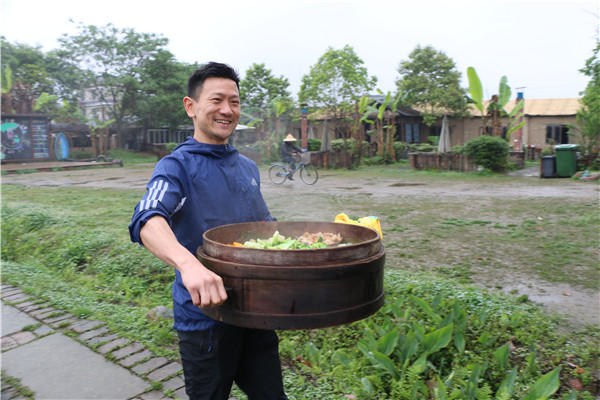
202	184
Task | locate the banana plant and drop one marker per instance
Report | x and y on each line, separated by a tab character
496	106
384	124
44	99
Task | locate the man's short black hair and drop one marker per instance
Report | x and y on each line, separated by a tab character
210	70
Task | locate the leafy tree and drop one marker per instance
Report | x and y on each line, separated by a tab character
259	87
69	80
335	84
24	78
114	59
33	81
265	100
156	98
431	83
588	116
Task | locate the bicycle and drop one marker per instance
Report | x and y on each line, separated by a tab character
278	172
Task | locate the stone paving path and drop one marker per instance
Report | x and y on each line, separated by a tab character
59	356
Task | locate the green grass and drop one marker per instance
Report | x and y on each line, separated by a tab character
130	158
70	241
70	246
547	237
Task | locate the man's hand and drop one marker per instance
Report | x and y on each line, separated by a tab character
205	287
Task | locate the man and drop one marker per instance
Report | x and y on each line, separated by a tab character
288	153
202	184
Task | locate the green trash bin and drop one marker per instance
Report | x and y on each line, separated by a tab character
566	160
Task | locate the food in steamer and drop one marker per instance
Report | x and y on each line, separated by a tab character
306	241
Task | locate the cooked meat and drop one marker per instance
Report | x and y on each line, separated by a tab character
328	238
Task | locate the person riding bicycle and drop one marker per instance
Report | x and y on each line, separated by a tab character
288	153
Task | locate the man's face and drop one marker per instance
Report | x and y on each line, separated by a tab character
216	111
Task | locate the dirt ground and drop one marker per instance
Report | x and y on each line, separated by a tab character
581	306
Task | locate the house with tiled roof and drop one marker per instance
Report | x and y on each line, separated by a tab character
546	123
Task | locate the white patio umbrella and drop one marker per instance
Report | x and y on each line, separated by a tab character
444	144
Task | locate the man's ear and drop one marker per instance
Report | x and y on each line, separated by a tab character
188	104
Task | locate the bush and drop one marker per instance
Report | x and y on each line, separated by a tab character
434	140
489	152
457	149
337	145
314	145
422	148
547	151
377	160
400	148
171	146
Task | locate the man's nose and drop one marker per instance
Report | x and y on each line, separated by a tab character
226	108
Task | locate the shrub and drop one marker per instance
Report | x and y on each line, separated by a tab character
489	152
376	160
314	145
434	140
171	146
547	151
400	148
457	149
422	148
337	145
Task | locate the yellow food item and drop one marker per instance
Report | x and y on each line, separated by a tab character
369	222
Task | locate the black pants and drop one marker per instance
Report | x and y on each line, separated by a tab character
213	360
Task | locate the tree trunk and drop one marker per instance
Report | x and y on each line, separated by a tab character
380	139
94	138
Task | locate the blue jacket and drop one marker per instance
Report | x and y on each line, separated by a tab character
197	187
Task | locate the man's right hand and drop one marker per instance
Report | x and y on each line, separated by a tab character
205	287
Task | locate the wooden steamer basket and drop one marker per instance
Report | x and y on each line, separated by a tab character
295	289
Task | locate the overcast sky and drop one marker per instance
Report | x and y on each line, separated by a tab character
539	45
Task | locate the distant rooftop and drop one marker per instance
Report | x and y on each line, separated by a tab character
543	107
